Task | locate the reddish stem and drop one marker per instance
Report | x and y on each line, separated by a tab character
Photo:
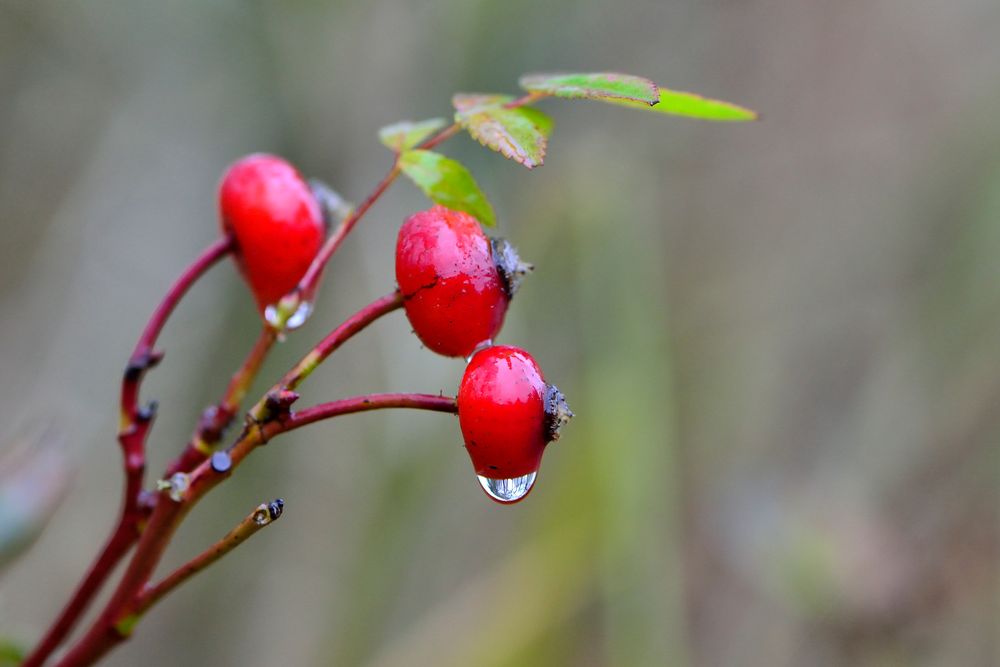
134	428
217	418
121	612
346	406
351	326
136	424
441	137
136	421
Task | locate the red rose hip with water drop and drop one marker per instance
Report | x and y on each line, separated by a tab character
508	414
456	282
276	222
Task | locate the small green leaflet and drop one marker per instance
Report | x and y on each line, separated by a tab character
678	103
407	134
520	134
606	86
448	183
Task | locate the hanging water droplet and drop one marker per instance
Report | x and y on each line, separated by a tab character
508	490
274	314
271	315
299	317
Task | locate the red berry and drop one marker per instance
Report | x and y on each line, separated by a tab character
456	282
277	223
508	414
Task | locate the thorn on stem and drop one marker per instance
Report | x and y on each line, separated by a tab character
147	413
147	501
140	363
278	402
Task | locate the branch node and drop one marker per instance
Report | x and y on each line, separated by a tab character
252	423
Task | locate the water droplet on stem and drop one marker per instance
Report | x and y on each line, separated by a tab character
299	317
271	315
274	315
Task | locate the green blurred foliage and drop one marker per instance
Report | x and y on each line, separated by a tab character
779	338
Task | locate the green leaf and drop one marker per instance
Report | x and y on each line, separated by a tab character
678	103
520	134
606	86
407	134
448	183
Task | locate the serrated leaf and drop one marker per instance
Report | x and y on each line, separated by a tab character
606	86
447	182
407	134
679	103
464	102
520	134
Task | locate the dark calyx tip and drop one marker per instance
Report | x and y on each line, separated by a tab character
509	265
275	508
557	412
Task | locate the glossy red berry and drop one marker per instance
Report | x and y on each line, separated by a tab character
508	414
276	222
456	281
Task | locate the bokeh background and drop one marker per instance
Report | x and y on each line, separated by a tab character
782	340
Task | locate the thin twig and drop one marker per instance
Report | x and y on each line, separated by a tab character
263	515
112	625
339	336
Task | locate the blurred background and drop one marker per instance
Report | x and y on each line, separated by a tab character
780	339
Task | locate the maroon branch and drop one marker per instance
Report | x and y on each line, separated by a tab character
123	610
264	421
351	326
134	428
